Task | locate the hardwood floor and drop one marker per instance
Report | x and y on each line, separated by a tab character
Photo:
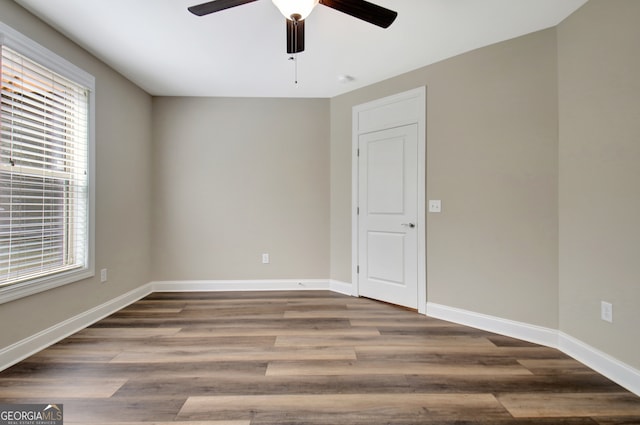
267	358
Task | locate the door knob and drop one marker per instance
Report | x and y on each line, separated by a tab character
410	225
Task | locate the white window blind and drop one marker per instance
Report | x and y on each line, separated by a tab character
44	205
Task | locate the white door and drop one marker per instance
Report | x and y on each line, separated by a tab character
387	217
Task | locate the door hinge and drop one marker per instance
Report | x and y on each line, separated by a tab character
357	210
358	269
358	152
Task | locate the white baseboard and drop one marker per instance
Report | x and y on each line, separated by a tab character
241	285
22	349
524	331
619	372
344	288
337	286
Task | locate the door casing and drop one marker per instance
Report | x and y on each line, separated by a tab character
393	111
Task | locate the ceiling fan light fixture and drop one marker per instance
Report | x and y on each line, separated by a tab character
289	8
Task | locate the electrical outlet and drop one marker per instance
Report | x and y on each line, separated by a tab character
606	311
265	258
103	275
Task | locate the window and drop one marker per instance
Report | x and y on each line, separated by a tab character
45	170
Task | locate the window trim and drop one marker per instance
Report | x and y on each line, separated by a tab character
34	51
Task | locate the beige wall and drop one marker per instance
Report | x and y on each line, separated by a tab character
599	71
123	176
492	149
235	178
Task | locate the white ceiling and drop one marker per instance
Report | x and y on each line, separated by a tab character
241	52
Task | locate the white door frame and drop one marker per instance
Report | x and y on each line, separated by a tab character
394	111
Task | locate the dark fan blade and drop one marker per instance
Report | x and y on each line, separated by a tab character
369	12
295	36
216	6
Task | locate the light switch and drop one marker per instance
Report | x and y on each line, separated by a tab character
435	205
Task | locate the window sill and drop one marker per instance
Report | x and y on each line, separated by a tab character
35	286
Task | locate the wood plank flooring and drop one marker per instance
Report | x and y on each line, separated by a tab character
308	357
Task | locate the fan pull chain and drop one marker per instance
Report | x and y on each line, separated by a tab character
294	58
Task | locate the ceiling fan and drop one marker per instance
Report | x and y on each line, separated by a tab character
297	10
